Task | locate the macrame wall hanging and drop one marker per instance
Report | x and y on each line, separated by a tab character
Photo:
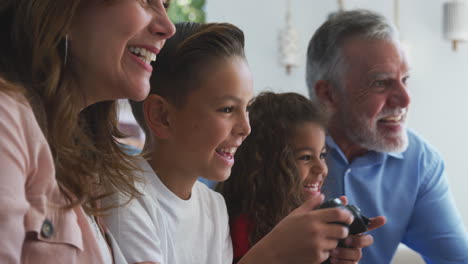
289	42
289	39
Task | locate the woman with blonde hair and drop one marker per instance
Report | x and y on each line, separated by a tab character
62	66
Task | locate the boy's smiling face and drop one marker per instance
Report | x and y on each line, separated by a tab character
213	122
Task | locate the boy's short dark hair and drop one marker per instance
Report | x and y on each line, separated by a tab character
181	64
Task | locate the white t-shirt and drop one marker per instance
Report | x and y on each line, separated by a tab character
162	228
101	241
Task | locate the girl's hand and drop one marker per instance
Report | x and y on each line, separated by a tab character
355	243
304	236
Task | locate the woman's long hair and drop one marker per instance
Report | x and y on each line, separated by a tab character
264	182
88	160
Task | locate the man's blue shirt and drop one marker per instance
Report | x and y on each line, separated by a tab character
411	190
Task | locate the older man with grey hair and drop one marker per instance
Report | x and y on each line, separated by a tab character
358	72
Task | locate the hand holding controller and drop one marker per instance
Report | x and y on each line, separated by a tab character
359	225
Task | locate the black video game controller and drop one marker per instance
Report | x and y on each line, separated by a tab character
359	225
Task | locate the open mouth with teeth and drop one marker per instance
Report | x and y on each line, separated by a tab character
392	119
227	153
312	187
393	123
143	54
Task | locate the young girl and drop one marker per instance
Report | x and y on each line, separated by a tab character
279	166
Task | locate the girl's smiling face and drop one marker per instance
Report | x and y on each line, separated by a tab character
308	144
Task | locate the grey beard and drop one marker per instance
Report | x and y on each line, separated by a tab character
377	142
371	138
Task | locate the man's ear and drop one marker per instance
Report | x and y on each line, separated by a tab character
156	111
326	94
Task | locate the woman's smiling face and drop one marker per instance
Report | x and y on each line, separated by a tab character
112	44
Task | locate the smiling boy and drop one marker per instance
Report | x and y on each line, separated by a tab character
194	118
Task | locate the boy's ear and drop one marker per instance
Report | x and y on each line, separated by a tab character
326	94
156	111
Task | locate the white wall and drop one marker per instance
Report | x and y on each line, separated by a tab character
438	80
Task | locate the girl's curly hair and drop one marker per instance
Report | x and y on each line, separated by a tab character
264	182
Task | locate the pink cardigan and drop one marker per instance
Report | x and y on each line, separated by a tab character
33	227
